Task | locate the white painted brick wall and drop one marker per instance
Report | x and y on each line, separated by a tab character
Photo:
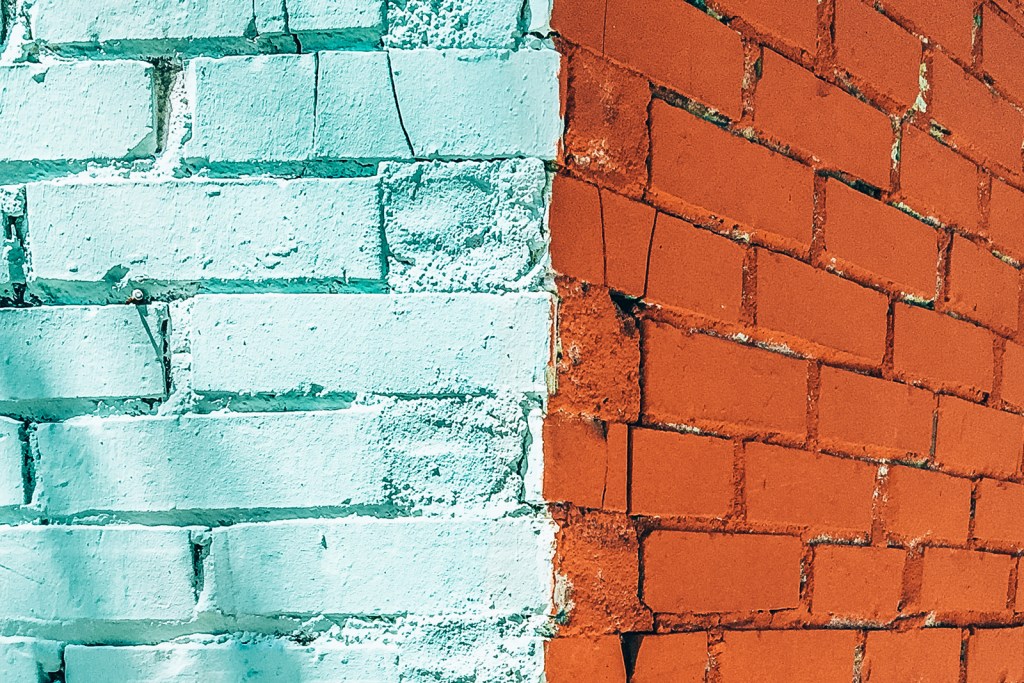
12	456
28	659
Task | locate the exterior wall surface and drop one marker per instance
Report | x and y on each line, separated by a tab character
275	332
787	433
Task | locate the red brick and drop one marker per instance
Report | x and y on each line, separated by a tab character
868	416
973	439
606	134
580	21
681	474
627	241
707	573
695	269
943	352
888	245
827	494
791	21
997	513
949	23
964	581
580	461
716	383
672	658
981	287
975	115
929	655
793	105
788	656
821	307
708	167
995	655
927	506
877	51
680	47
1013	374
577	247
1005	228
937	182
598	660
856	582
1003	48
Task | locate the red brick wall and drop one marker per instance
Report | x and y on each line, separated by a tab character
788	430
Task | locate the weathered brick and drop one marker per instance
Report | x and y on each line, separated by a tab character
877	51
981	287
794	22
585	461
1005	208
937	182
950	23
941	351
788	656
286	337
964	580
1003	47
472	23
24	659
351	18
580	21
924	505
973	439
931	654
628	226
671	657
597	659
995	654
680	474
996	516
854	582
704	573
577	241
12	455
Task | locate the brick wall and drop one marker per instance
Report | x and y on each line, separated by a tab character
274	338
788	429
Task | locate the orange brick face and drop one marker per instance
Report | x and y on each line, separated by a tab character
854	582
919	656
788	656
877	51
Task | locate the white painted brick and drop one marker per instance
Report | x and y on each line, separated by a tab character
402	453
413	344
81	352
52	573
335	15
471	226
369	566
357	117
193	231
249	109
26	660
77	111
12	455
468	23
94	21
507	103
263	661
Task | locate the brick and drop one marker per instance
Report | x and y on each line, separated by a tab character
740	181
950	24
476	23
975	114
995	654
1005	207
997	513
287	336
77	111
973	439
1013	374
606	134
937	182
964	581
581	456
262	660
876	50
227	95
508	103
982	288
83	352
681	47
593	659
577	241
887	244
680	474
357	116
363	18
706	573
123	573
12	455
788	656
788	486
792	22
854	582
1003	47
698	379
307	566
867	416
797	299
354	457
251	230
941	351
580	22
930	655
681	657
927	506
628	226
822	120
695	269
24	659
